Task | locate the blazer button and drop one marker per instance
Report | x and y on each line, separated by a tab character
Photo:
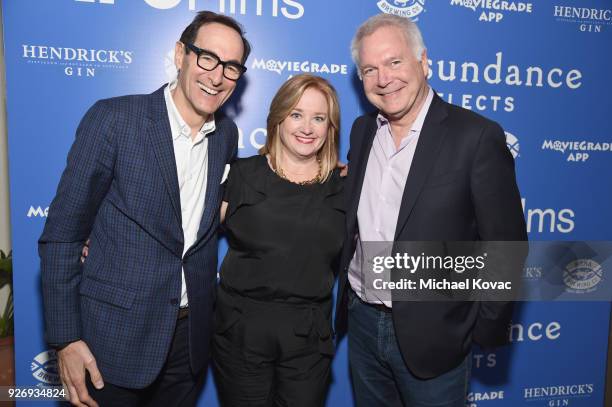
174	301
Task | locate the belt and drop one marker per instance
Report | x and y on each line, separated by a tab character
377	307
309	317
183	313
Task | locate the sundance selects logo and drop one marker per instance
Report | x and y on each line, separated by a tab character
44	368
403	8
493	10
297	67
587	19
77	61
582	276
576	151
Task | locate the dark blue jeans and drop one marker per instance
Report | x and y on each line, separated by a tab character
380	376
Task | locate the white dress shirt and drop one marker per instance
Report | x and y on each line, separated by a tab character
380	201
191	155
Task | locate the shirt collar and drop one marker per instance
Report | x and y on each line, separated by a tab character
420	119
177	124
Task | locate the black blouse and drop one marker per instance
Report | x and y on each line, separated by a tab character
284	238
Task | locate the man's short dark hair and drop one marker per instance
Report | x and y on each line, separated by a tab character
207	17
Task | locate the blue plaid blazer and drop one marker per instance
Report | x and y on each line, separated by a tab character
120	189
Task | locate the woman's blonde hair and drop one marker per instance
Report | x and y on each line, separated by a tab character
285	101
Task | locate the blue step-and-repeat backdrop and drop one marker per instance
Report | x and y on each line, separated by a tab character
542	69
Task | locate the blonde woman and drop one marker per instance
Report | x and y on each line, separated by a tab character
283	213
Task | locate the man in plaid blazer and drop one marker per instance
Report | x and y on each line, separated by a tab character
132	324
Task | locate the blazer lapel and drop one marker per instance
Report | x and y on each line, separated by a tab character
161	141
359	164
216	165
430	139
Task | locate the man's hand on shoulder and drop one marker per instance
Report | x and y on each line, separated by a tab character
343	168
73	360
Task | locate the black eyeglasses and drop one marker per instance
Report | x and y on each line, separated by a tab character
208	61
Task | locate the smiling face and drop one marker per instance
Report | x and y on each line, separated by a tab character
304	131
393	79
201	93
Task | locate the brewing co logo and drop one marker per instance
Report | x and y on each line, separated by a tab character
582	276
297	67
77	61
403	8
513	144
44	368
493	10
587	19
579	151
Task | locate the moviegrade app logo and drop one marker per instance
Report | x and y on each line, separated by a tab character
296	67
494	10
38	212
577	151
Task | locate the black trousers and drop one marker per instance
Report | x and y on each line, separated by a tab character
176	385
269	354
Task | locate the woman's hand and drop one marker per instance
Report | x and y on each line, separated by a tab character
223	210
